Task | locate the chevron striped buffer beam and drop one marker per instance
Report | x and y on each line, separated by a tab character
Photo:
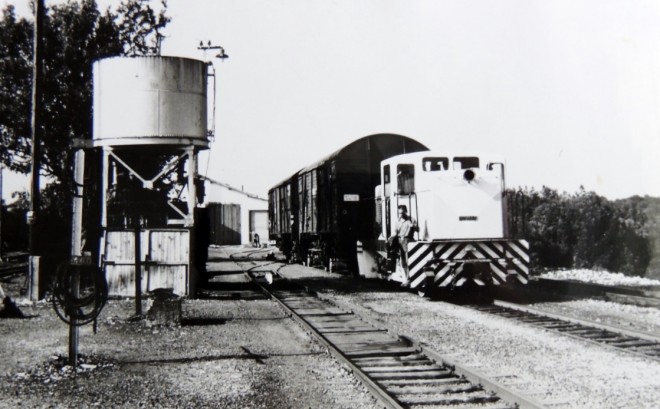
454	263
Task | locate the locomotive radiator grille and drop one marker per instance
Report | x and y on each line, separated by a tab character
452	263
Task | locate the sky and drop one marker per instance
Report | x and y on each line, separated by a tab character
568	91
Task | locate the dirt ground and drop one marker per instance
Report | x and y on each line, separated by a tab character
250	355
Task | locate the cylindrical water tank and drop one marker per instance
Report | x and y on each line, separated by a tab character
150	101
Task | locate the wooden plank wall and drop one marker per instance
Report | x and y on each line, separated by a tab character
168	249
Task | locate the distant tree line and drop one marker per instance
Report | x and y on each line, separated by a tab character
585	230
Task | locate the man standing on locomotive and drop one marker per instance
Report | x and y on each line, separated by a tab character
404	231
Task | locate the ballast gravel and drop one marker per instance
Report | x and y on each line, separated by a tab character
553	369
600	277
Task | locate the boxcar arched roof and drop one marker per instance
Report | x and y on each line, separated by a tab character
388	143
285	181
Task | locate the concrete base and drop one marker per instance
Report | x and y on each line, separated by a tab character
165	310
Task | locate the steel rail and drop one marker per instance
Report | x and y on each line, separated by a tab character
380	394
476	378
645	300
244	255
588	328
537	311
644	296
9	269
479	378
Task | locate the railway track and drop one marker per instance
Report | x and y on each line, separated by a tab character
11	269
644	296
399	372
633	342
645	300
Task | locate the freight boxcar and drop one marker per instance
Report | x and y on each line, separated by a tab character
319	213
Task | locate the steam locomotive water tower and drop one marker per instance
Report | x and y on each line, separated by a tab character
150	121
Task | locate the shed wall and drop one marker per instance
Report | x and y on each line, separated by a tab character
225	223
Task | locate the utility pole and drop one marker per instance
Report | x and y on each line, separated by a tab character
1	199
76	248
36	125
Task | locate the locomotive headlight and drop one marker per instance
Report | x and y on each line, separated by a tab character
469	175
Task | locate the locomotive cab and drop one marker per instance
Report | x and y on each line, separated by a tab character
448	197
457	207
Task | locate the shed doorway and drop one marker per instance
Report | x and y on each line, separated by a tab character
259	225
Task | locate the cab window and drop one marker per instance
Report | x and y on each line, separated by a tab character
405	174
494	165
386	179
435	164
465	162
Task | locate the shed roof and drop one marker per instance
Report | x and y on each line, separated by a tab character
233	189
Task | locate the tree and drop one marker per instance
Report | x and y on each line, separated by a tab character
76	34
14	229
551	232
595	229
15	90
584	230
635	228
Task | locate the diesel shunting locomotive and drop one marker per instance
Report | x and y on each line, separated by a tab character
344	210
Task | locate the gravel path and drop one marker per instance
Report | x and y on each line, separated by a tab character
551	368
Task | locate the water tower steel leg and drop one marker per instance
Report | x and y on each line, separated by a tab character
104	189
192	191
76	225
138	269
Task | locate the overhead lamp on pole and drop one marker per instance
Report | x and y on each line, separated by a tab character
221	53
